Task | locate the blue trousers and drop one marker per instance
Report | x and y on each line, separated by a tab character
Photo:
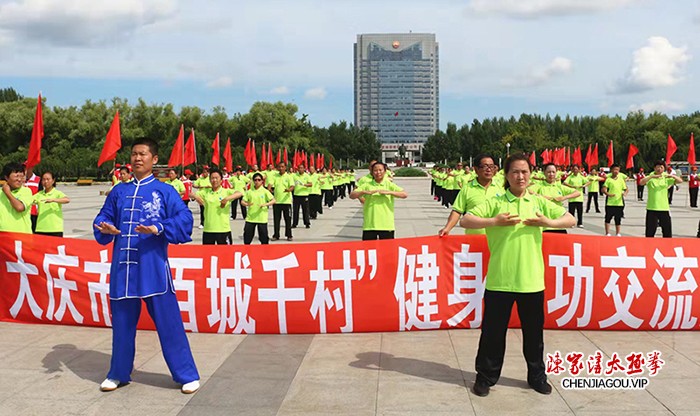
165	313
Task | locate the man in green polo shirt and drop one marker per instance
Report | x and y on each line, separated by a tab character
378	208
202	182
514	222
175	182
615	189
657	200
15	201
283	187
593	181
302	189
577	182
473	193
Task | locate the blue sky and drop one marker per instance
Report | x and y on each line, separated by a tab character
497	57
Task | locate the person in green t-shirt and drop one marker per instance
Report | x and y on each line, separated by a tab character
283	188
378	208
657	200
593	182
615	189
216	201
258	200
514	222
473	193
300	198
15	201
49	203
578	182
202	182
238	182
326	181
175	182
315	206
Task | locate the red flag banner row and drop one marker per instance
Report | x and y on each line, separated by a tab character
418	283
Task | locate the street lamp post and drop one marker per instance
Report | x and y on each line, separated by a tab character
507	149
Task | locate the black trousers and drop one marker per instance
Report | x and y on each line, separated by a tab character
201	215
328	197
279	211
640	192
670	193
249	232
432	187
315	206
655	219
377	235
234	208
594	197
34	219
576	209
492	343
438	192
693	197
50	234
303	203
220	239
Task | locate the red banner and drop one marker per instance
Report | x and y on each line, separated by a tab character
392	285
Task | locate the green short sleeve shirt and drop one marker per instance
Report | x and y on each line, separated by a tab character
256	213
658	193
216	219
50	219
300	181
282	183
11	220
516	263
579	181
177	184
378	209
472	195
616	187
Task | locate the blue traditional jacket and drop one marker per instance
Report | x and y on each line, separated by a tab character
140	261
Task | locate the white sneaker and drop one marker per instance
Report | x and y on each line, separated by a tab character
580	226
109	384
200	226
190	387
619	235
608	235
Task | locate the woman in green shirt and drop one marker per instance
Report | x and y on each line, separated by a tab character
514	222
552	189
216	201
258	200
49	203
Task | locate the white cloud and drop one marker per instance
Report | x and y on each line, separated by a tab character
282	90
537	8
658	64
661	106
221	82
538	76
318	93
81	22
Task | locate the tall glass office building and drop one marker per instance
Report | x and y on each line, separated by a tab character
397	89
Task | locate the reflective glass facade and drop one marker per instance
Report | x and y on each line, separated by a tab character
397	86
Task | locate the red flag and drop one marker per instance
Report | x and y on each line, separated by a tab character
228	159
610	154
319	164
533	160
306	160
263	158
246	152
190	151
568	156
279	156
285	156
691	151
34	155
253	155
577	156
312	162
594	156
215	146
630	156
323	161
588	157
269	154
178	148
670	149
113	142
545	156
330	164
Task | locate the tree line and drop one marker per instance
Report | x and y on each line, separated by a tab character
74	136
536	132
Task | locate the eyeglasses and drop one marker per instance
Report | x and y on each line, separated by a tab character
487	167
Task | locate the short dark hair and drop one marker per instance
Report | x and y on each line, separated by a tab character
214	170
614	165
11	168
482	156
379	163
546	165
660	162
514	158
152	144
258	175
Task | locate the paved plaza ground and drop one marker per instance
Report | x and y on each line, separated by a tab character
56	370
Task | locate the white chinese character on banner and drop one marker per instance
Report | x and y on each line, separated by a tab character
468	286
99	289
580	274
612	288
679	306
416	289
180	264
229	304
25	292
65	286
280	293
342	300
